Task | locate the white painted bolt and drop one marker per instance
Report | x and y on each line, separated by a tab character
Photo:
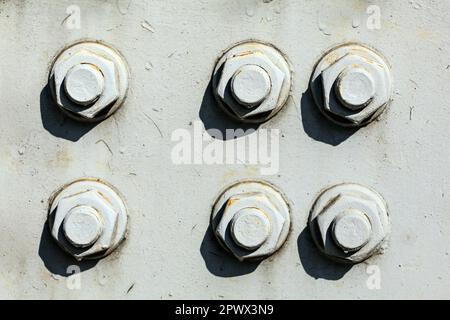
250	228
84	84
82	226
250	85
351	230
355	88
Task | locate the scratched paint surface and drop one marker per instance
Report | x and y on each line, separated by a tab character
171	47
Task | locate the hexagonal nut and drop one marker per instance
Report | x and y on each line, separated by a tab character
109	95
262	204
273	83
232	65
376	93
112	70
382	89
357	202
102	206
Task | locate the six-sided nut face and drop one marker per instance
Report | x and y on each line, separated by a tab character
82	85
352	85
349	222
88	219
261	86
252	82
89	81
251	220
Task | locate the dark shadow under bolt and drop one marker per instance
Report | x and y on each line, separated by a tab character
215	119
58	124
56	260
315	263
318	127
218	261
222	263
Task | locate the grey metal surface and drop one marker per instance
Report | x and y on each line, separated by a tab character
171	48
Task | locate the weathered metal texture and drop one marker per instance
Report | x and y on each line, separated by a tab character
171	48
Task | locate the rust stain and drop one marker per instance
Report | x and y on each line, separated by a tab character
63	158
424	35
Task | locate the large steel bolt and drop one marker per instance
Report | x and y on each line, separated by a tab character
82	226
250	85
355	88
84	84
250	228
89	81
251	220
88	219
352	85
252	81
351	230
349	222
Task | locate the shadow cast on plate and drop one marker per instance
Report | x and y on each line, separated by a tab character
222	263
218	261
56	260
58	124
315	263
318	127
216	121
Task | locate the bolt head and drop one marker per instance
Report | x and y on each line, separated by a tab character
252	81
349	222
251	220
88	219
82	226
250	85
89	81
70	204
355	88
110	92
250	228
351	230
84	84
232	68
352	85
245	201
